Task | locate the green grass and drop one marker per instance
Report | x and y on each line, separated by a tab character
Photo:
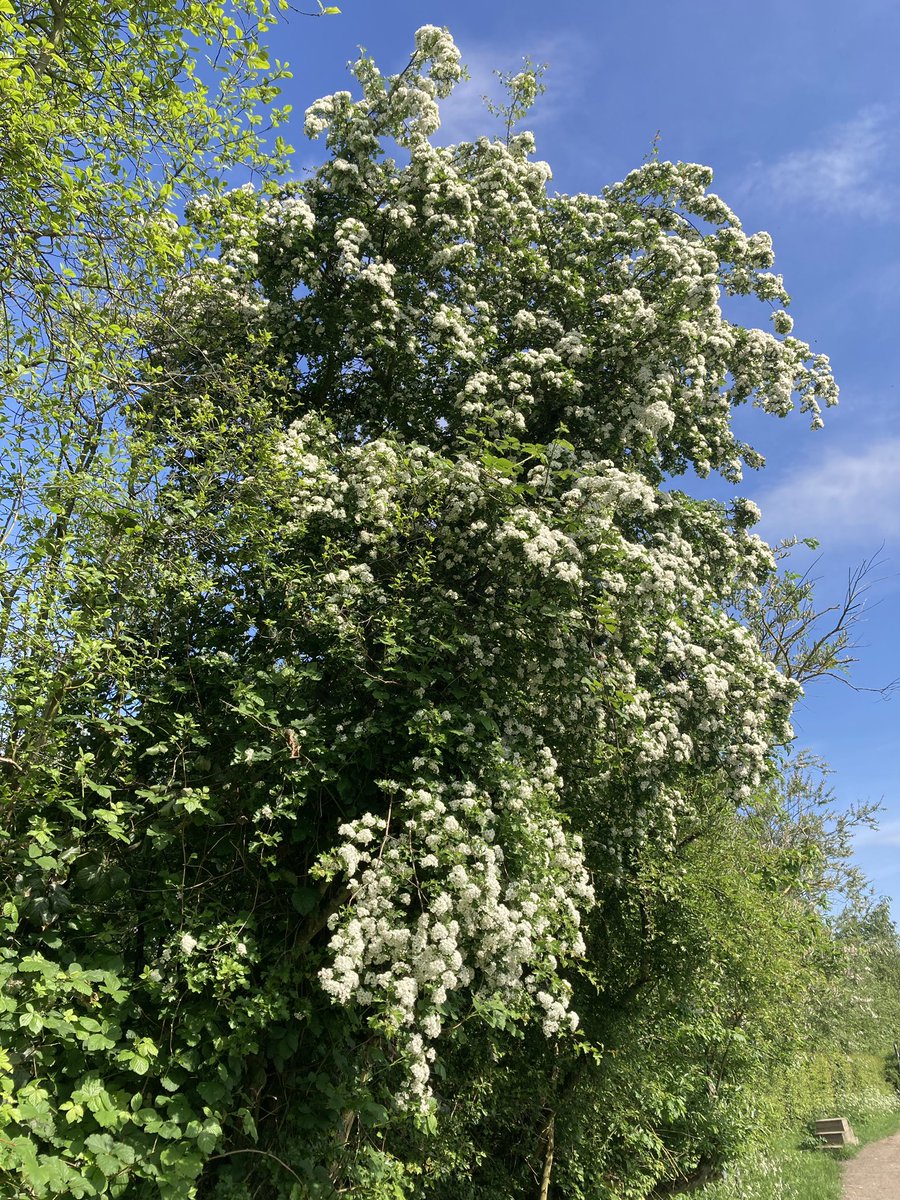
874	1128
788	1170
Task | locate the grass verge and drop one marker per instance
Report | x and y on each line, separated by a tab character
786	1170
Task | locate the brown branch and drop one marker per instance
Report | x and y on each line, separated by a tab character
264	1153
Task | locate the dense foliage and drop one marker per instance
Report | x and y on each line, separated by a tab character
394	800
110	114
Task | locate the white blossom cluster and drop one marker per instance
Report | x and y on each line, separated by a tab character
436	910
632	649
601	313
489	383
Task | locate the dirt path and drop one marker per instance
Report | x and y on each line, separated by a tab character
875	1172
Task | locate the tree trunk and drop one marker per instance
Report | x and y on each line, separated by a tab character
548	1157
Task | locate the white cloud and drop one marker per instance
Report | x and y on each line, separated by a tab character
845	497
464	116
847	173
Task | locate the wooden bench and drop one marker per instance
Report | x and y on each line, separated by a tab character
836	1131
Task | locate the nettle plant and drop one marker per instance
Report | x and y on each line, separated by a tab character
425	654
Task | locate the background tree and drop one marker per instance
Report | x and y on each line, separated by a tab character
111	114
805	640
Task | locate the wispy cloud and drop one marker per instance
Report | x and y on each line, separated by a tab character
847	497
849	172
464	116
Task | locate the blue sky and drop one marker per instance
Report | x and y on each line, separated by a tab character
796	106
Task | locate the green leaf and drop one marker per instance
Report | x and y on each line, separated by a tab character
99	789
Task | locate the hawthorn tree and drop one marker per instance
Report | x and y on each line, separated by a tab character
408	695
